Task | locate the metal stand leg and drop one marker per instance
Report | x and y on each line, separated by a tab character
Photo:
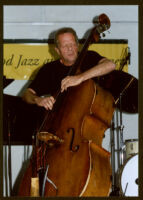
115	189
117	152
121	127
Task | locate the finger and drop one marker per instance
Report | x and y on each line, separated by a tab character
46	107
64	87
65	80
47	103
52	99
50	103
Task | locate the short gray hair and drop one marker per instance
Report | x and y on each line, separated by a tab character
65	30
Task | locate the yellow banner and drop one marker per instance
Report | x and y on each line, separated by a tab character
22	61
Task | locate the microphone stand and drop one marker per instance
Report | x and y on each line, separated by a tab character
121	127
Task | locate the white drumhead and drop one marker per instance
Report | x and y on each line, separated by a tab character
129	177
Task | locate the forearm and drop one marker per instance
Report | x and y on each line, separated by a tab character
103	67
30	96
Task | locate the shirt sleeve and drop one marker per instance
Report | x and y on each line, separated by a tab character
41	81
91	59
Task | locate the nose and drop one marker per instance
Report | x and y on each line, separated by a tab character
69	47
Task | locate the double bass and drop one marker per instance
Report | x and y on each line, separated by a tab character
68	158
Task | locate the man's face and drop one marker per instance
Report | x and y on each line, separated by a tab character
67	48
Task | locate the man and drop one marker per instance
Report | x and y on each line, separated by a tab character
50	78
54	75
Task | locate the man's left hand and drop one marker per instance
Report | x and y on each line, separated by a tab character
70	81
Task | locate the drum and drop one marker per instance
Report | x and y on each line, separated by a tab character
129	177
131	147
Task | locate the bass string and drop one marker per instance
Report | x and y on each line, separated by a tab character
49	114
41	153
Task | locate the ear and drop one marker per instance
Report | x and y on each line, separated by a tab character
57	50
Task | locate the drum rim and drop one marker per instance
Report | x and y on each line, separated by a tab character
120	173
131	140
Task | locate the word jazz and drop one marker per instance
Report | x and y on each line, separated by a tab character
29	61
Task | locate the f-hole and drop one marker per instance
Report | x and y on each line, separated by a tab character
72	148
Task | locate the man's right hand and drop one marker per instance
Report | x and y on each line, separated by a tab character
46	102
31	97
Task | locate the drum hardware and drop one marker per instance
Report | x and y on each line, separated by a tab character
118	82
137	181
131	147
121	85
119	151
120	128
128	178
115	188
126	150
127	105
126	189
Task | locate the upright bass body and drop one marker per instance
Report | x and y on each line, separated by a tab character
77	165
